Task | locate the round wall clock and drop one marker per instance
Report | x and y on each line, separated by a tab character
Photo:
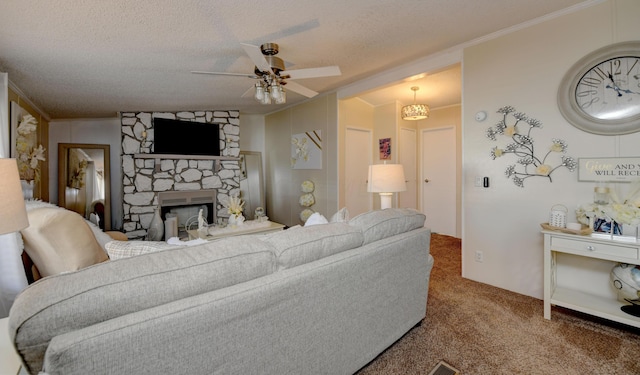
601	92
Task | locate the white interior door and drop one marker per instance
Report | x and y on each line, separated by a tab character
438	175
407	153
358	157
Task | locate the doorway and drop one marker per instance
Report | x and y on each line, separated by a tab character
407	153
439	179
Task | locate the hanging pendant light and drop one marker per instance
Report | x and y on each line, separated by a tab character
415	111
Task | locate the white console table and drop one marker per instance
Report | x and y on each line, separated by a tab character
584	254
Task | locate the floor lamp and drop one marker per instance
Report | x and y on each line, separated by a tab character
386	179
13	217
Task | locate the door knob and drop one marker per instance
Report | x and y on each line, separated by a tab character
426	180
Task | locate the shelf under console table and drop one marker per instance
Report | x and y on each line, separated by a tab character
576	273
158	157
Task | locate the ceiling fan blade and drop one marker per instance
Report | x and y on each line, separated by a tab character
256	56
298	88
225	74
326	71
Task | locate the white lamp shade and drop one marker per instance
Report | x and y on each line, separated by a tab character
13	213
386	178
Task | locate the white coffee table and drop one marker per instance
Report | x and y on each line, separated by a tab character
248	227
9	360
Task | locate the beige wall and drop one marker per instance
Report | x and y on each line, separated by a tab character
523	69
352	113
283	182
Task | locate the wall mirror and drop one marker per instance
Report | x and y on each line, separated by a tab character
251	182
84	181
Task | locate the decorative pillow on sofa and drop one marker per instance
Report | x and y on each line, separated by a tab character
125	249
101	236
342	216
59	240
376	225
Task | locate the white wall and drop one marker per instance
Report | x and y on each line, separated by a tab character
94	131
523	69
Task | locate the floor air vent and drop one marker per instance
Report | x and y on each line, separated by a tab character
443	368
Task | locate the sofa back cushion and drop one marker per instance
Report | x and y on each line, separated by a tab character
376	225
111	289
59	240
302	245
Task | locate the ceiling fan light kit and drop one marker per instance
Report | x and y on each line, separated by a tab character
415	111
270	72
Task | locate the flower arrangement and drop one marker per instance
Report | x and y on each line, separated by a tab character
522	146
28	155
623	211
234	205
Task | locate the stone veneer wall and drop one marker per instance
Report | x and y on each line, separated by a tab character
141	183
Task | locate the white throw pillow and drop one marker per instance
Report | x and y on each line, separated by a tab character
316	219
341	216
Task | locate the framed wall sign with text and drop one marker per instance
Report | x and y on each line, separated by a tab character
609	169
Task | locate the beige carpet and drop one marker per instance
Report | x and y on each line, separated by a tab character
480	329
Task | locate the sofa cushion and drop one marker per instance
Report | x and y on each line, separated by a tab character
116	288
59	240
376	225
301	245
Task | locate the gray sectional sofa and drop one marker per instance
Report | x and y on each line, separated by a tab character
323	299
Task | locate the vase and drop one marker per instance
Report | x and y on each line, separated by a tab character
156	228
236	219
27	189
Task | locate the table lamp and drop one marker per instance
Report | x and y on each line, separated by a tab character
386	179
13	217
13	212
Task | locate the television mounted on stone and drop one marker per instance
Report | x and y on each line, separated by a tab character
185	137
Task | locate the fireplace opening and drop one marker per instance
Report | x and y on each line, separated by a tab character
186	205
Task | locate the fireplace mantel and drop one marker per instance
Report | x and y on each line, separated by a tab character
159	157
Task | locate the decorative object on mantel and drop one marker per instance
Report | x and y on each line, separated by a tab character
522	146
156	227
234	207
28	155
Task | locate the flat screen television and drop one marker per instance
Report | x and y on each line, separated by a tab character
185	137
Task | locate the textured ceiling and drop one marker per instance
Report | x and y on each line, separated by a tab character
93	58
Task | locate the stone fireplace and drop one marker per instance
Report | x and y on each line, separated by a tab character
144	178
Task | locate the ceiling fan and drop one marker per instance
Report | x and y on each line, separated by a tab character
270	72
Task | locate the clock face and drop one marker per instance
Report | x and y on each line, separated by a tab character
600	93
611	89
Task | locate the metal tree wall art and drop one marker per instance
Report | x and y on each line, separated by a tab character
522	146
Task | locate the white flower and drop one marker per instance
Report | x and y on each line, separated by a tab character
307	186
27	125
37	154
234	205
623	213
